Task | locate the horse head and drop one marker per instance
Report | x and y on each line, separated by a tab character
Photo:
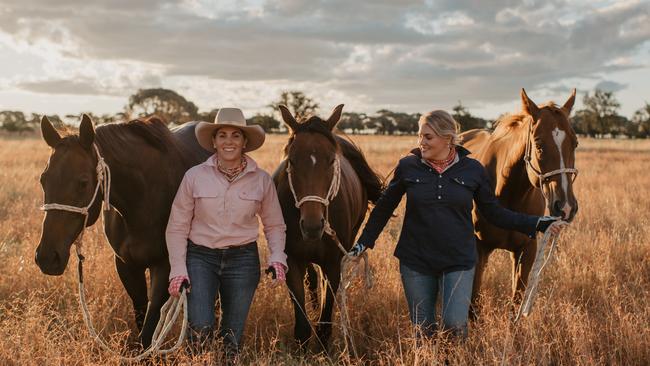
69	178
550	154
313	168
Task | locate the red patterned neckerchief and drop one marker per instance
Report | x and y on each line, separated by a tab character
441	165
232	173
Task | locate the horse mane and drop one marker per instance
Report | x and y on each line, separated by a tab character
370	180
508	124
115	139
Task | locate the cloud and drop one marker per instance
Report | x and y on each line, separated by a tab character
406	54
610	86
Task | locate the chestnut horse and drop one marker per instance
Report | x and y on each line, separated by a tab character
147	163
530	159
323	181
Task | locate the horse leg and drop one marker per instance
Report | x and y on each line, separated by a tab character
324	329
135	283
295	278
483	256
523	260
159	274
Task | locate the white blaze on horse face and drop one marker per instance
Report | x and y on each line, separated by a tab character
558	137
313	159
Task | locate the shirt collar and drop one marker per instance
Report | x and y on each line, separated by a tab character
251	165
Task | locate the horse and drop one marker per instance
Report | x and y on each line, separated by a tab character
323	182
147	163
530	159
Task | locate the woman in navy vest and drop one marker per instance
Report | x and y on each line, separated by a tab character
436	248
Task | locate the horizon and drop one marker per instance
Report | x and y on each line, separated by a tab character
407	55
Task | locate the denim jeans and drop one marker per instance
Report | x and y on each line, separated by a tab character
231	275
421	292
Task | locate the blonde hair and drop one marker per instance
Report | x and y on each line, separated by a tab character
442	123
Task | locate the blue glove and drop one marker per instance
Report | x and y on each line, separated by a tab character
544	222
356	250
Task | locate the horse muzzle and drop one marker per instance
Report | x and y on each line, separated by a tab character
51	262
312	230
567	211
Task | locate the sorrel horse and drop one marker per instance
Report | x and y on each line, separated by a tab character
147	163
323	180
530	158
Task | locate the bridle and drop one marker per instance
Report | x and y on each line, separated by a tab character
103	182
333	190
542	177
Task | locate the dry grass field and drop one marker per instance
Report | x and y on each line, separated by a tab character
593	306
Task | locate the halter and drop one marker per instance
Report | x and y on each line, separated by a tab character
542	176
333	190
104	182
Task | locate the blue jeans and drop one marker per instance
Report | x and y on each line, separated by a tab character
421	292
232	275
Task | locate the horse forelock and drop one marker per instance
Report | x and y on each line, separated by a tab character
312	124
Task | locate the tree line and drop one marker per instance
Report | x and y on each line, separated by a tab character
598	118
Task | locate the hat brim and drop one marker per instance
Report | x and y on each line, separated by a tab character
204	131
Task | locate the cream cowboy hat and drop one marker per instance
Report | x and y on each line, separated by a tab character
229	117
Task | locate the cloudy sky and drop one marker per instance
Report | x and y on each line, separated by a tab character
68	56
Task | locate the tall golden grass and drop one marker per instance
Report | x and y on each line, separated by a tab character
593	305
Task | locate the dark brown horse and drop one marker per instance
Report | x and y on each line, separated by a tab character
316	159
147	163
530	158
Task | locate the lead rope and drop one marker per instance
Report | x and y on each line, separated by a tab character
167	315
347	262
542	257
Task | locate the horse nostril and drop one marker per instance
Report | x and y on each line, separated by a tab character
557	207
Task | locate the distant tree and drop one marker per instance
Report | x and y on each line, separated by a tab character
465	119
267	122
208	116
165	103
15	121
97	119
383	123
600	115
640	124
298	103
352	121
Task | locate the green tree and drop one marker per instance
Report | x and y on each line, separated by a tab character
208	116
164	103
267	122
465	119
352	121
383	123
298	103
640	124
600	115
15	121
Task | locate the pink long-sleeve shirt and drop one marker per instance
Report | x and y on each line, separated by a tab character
214	213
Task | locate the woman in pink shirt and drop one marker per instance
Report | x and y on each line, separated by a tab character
213	229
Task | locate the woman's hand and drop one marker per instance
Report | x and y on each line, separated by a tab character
356	250
546	222
175	285
278	273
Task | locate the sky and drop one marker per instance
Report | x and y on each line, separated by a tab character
69	56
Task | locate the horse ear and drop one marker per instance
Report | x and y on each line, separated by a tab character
50	134
288	117
334	117
529	107
566	108
86	132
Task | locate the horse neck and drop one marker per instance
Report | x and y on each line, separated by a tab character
134	191
504	160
